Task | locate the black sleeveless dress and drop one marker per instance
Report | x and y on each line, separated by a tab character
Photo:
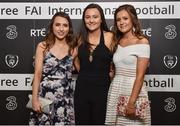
92	84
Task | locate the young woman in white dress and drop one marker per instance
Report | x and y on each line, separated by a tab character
131	60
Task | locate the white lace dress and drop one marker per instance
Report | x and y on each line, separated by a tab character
125	60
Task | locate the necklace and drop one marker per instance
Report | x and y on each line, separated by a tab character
91	55
91	51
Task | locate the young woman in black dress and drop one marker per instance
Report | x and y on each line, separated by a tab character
93	63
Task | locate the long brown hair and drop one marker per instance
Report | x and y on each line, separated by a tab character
50	37
83	36
134	18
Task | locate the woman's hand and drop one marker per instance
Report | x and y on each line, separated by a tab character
112	71
130	111
36	105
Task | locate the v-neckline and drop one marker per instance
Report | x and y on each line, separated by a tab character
57	57
100	40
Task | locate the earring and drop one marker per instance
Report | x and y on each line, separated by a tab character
133	29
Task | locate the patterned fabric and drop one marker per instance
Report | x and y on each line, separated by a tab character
125	60
142	103
56	85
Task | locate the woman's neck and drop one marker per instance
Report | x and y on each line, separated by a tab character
60	43
94	34
128	35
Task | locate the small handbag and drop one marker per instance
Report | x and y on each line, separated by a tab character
142	103
46	104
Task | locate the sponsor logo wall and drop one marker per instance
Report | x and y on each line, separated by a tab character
24	23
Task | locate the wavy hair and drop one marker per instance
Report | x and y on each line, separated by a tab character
83	36
134	18
50	37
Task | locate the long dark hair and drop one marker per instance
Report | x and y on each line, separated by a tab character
83	36
50	37
134	18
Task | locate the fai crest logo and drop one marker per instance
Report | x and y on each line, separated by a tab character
171	33
170	61
12	34
11	60
12	104
171	106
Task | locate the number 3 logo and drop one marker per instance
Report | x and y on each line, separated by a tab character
12	34
12	104
171	106
171	33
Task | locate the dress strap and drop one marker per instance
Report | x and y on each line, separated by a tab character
102	37
69	51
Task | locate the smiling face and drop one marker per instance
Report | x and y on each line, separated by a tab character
92	19
60	27
124	22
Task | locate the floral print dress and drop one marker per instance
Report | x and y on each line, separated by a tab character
56	85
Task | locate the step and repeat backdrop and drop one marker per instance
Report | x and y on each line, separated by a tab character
23	24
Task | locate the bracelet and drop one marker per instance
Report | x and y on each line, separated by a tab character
131	107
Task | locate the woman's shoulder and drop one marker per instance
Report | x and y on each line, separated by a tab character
143	40
42	44
109	41
108	34
74	52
